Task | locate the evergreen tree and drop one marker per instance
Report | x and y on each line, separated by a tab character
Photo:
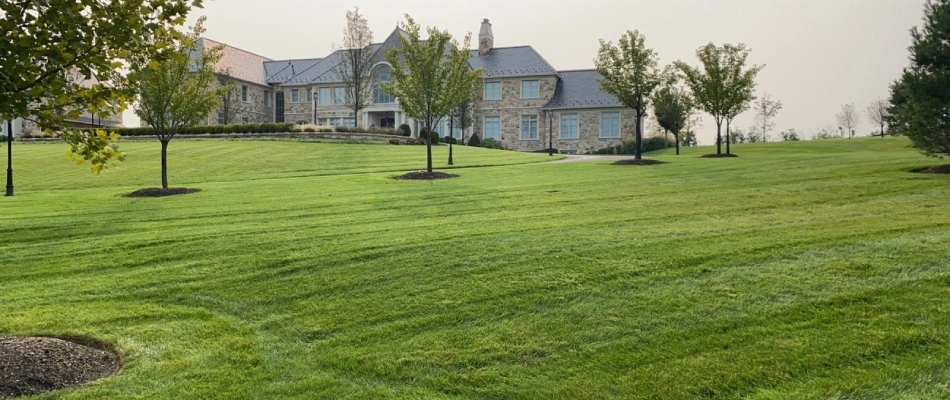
920	100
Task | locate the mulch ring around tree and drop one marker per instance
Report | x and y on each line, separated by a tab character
718	156
425	176
159	192
639	162
940	169
32	365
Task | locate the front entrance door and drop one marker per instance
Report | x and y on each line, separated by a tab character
387	122
279	107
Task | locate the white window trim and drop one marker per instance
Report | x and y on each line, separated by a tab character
577	126
485	130
522	89
600	134
485	90
537	128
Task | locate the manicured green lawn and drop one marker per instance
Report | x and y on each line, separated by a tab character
799	270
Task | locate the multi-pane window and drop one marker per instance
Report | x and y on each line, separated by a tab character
380	76
325	97
243	92
266	98
610	125
492	128
529	127
492	90
339	95
309	95
568	126
529	89
294	95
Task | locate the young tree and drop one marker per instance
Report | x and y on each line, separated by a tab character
356	61
46	41
430	77
672	107
175	91
629	72
722	87
878	113
848	119
766	110
230	103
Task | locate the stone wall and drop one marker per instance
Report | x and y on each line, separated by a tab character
254	108
512	107
588	130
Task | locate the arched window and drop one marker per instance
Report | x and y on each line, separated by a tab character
381	75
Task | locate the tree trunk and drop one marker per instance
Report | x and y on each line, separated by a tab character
638	155
882	130
728	136
165	163
429	147
718	137
677	137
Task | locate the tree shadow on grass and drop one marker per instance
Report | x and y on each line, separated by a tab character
159	192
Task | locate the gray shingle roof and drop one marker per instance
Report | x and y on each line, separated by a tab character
581	89
507	62
282	70
244	65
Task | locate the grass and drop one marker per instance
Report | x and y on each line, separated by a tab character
799	270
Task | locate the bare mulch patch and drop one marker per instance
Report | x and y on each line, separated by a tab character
425	176
940	169
718	156
32	365
159	192
639	162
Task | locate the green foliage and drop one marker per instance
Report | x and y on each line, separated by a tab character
672	105
629	72
449	139
60	57
491	143
722	88
434	137
919	99
630	147
474	140
430	76
406	130
98	147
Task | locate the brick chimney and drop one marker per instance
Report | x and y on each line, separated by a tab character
486	39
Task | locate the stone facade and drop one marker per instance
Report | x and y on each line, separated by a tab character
252	111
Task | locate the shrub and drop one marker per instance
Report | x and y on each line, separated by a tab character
490	143
406	130
474	141
418	141
449	139
434	137
656	143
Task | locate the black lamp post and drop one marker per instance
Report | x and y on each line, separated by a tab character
550	133
9	158
451	137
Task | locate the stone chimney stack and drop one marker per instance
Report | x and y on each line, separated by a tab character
486	39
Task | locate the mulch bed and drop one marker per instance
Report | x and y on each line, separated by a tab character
159	192
639	162
425	176
32	365
718	155
940	169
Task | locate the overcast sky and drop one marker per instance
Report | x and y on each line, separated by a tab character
819	54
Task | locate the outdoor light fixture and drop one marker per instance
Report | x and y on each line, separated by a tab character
9	158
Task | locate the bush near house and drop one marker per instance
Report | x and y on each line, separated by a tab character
406	130
490	144
474	141
649	144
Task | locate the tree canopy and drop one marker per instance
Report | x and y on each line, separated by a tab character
60	57
920	100
722	86
430	77
356	62
672	107
629	72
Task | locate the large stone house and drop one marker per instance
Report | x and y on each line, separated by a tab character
526	103
85	119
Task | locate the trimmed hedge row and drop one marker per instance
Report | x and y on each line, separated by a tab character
206	129
630	147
